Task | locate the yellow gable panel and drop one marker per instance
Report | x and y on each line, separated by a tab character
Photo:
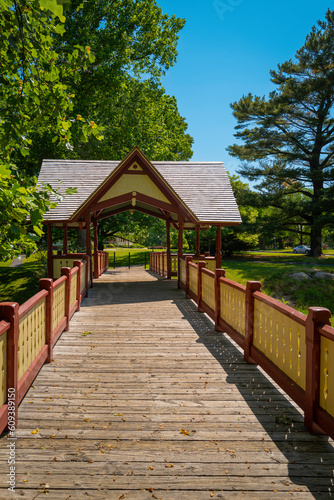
142	184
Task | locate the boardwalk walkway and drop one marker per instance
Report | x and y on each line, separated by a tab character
154	404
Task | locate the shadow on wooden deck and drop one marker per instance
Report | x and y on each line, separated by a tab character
310	458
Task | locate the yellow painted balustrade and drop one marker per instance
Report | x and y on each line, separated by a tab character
210	264
174	263
182	271
208	290
232	306
327	375
193	279
3	362
282	340
164	263
58	308
83	277
32	329
73	291
59	263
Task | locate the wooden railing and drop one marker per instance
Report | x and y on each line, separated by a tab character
296	350
66	260
158	263
29	332
101	259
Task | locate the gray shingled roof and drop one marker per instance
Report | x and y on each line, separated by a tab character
204	187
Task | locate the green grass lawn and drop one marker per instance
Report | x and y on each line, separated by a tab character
137	256
277	282
18	284
284	256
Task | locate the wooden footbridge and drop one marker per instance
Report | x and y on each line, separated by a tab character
144	399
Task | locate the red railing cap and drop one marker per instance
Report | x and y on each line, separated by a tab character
30	303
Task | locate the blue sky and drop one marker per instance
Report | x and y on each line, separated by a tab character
227	49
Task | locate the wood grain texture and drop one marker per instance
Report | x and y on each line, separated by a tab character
153	403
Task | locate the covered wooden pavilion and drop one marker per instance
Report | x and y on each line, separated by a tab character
187	195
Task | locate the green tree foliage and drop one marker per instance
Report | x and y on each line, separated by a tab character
33	96
134	43
246	236
290	136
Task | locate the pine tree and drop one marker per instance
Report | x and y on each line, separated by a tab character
288	139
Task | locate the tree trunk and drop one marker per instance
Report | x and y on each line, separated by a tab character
316	242
81	241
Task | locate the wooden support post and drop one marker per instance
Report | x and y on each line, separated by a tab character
65	240
96	250
199	285
47	284
50	254
188	259
251	287
89	248
179	249
180	240
218	248
317	316
66	271
9	311
169	256
79	264
219	273
87	274
197	252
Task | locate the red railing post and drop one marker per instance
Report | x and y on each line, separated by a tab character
66	271
47	284
9	311
317	316
219	273
87	274
187	260
199	285
251	287
79	264
163	264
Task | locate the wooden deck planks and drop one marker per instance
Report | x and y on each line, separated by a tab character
155	404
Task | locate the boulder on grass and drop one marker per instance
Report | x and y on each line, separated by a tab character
300	276
320	275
